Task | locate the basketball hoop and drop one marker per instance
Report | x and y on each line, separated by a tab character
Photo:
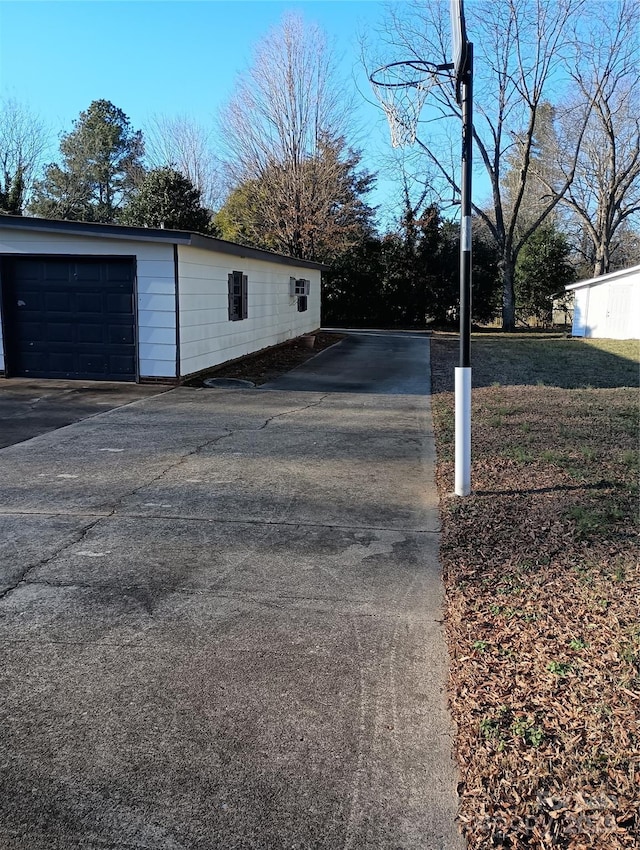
401	89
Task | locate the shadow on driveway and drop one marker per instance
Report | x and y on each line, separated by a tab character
366	362
31	407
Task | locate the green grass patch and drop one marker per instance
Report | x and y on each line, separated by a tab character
592	521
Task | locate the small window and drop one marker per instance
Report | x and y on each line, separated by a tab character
298	287
238	285
302	303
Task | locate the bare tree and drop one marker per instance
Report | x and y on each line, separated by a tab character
605	191
23	142
182	143
520	49
283	133
285	103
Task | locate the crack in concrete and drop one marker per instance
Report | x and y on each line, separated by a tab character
167	469
24	575
212	442
289	412
82	534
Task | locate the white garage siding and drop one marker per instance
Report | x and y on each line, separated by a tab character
207	336
156	298
182	290
580	312
608	307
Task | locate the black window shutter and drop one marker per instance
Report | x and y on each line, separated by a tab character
230	285
245	292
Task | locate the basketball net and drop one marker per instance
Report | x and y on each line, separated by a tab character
402	104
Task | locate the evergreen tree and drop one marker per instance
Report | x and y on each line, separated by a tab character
411	267
165	198
351	289
12	195
543	269
541	171
240	219
410	278
101	164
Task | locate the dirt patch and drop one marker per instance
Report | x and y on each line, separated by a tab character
265	366
541	567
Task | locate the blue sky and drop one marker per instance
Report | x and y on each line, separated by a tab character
170	57
148	56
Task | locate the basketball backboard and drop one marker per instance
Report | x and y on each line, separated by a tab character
459	42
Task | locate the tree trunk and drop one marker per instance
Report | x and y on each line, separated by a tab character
508	296
602	259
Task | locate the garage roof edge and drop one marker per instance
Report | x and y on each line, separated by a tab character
149	234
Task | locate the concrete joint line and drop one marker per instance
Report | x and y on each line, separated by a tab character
255	597
24	575
100	515
243	521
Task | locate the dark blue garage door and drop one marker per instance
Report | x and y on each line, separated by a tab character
69	318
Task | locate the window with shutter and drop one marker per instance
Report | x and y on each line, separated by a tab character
238	292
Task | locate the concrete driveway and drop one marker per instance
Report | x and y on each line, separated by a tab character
29	407
220	623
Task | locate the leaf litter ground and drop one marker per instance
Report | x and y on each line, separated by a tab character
266	365
543	591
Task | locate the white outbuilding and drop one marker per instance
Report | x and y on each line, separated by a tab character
607	306
107	302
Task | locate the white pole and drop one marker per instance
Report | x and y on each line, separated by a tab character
463	430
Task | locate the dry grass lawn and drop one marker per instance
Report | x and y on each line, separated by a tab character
543	591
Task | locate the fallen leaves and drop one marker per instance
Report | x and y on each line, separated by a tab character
266	365
543	593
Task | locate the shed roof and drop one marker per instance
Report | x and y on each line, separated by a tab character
605	278
150	234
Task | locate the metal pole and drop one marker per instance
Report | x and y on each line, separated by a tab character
463	371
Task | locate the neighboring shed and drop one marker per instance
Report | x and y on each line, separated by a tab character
608	306
105	302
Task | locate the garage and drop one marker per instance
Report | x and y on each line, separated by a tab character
69	317
91	301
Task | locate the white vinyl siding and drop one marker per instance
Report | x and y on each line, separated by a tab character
156	305
208	337
580	312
